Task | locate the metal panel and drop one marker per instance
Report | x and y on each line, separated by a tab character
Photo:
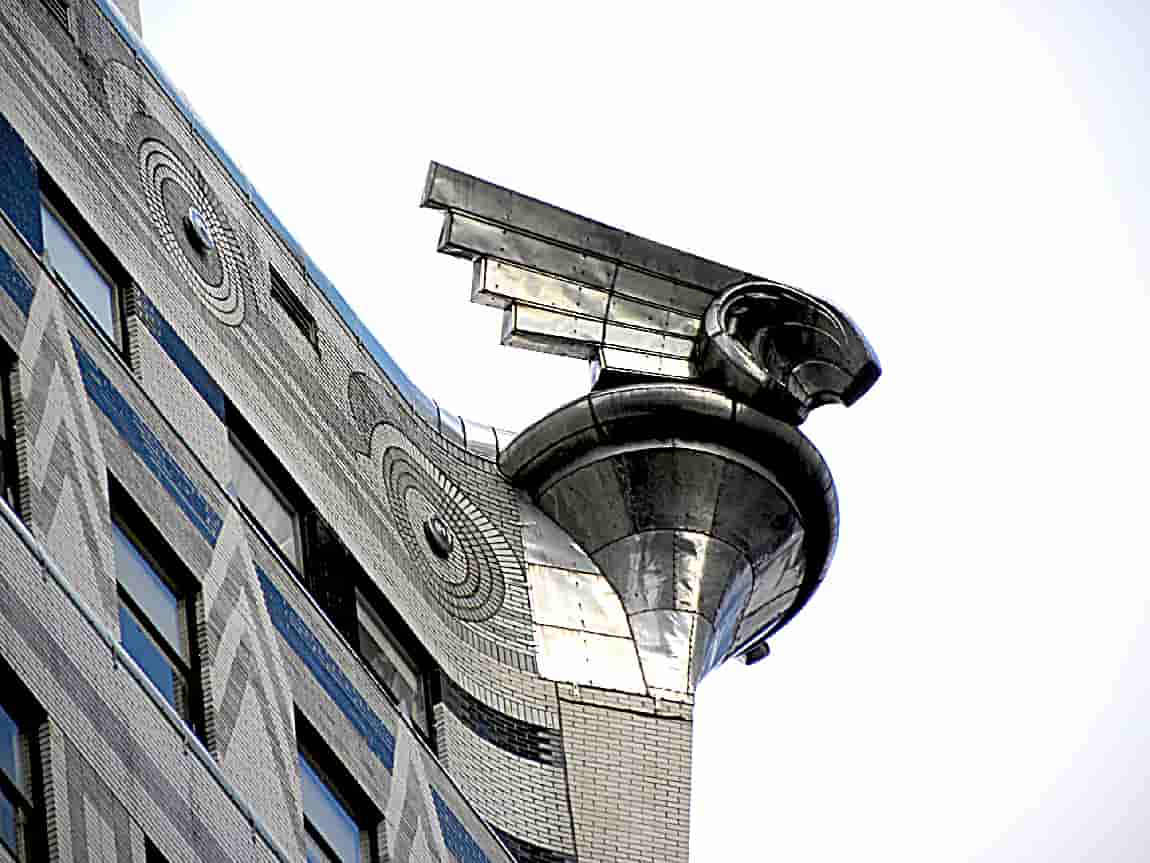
448	189
752	512
546	543
480	439
630	338
700	640
641	567
645	364
451	427
550	331
575	600
556	439
756	621
727	618
662	292
586	658
624	310
704	566
502	282
590	504
663	639
779	573
672	487
466	237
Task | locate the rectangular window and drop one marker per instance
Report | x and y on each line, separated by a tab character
9	476
292	305
337	816
82	262
20	826
155	617
266	503
392	665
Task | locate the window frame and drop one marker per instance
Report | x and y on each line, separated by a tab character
402	641
146	539
293	307
89	243
338	781
241	441
29	802
9	456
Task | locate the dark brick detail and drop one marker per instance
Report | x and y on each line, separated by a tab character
14	283
468	583
180	354
327	673
534	742
152	453
459	841
20	187
528	852
220	274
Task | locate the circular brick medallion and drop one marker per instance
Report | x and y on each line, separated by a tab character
468	580
194	228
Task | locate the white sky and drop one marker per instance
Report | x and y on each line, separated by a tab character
971	683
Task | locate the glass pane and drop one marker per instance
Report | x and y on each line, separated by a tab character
327	816
315	851
390	663
152	661
150	592
9	822
11	749
74	266
265	505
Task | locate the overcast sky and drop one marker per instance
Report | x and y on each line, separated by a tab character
968	182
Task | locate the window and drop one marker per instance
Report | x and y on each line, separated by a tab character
155	618
9	476
81	261
20	825
292	306
266	503
393	666
335	811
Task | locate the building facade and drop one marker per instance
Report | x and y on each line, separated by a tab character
263	599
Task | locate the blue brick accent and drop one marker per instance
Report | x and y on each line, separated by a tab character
180	354
459	842
327	673
147	446
14	283
20	186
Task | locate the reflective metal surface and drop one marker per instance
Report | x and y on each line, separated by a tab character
711	522
637	309
664	642
680	482
575	600
784	351
545	543
588	658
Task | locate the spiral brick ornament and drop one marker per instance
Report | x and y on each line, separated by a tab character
195	230
468	581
